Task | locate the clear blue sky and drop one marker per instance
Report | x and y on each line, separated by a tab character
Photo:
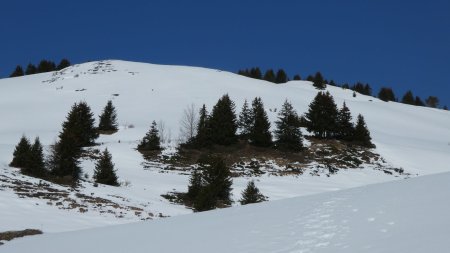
401	44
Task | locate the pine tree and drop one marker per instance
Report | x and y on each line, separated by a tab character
269	76
322	116
36	165
46	66
104	170
281	77
63	161
203	138
223	122
31	69
80	124
319	82
408	98
21	153
362	134
297	78
245	122
287	133
64	63
195	184
108	118
432	102
212	184
255	73
151	140
419	101
17	72
260	134
386	94
344	123
251	194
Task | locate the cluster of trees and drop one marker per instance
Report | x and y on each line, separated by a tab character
386	94
210	186
325	120
42	67
62	164
279	77
223	127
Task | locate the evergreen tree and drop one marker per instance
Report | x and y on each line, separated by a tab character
408	98
195	184
108	118
252	195
297	78
31	69
80	124
362	134
269	76
36	165
104	170
332	83
46	66
17	72
151	140
310	78
64	63
344	123
445	108
319	82
322	116
21	153
223	122
255	73
418	101
281	77
432	102
210	186
287	133
203	138
260	133
63	160
386	94
245	122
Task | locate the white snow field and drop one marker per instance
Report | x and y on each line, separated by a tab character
416	139
403	216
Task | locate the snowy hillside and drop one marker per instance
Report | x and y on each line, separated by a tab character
416	139
407	216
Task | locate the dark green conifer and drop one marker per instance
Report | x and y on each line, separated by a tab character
386	94
245	122
80	124
252	195
203	138
288	134
322	116
260	134
419	101
269	76
297	78
362	134
21	153
17	72
319	82
104	170
223	122
64	63
408	98
31	69
36	166
432	102
108	118
281	77
151	140
344	123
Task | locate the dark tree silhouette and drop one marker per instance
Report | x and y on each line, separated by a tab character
104	172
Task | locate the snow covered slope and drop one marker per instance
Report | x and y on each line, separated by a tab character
414	138
403	216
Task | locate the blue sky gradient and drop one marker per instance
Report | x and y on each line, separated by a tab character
400	44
